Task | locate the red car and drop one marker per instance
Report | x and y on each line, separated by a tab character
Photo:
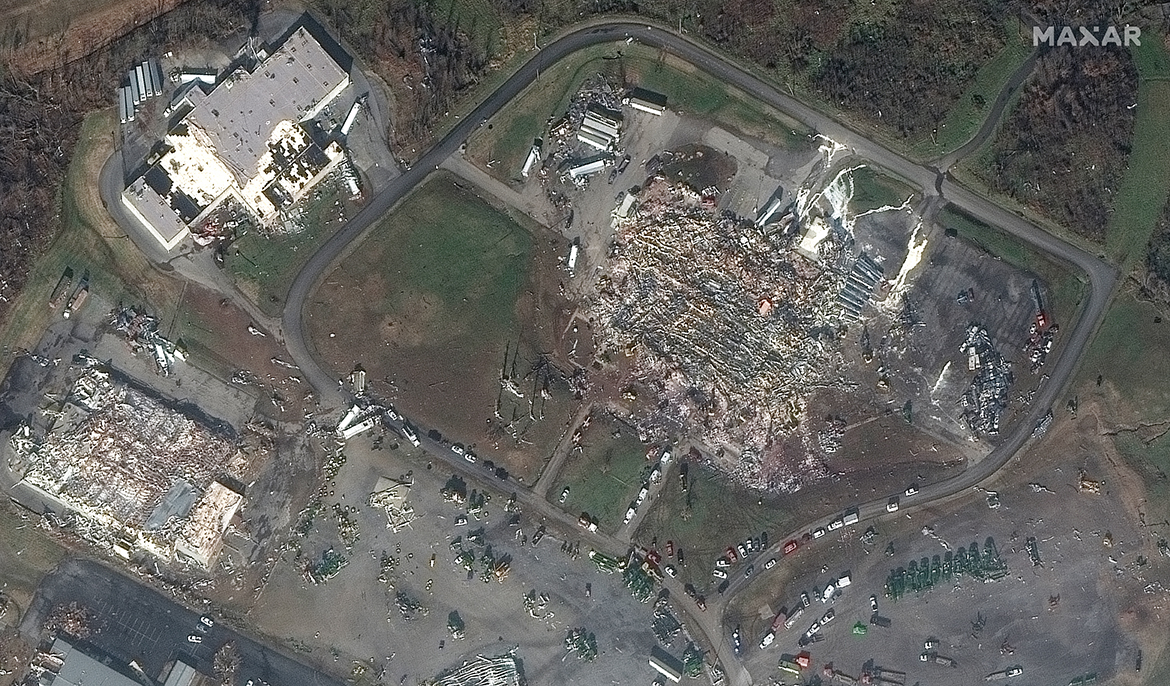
670	548
790	547
654	557
730	553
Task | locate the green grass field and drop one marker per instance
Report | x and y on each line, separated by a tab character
264	266
604	477
432	297
694	92
26	554
872	189
688	90
965	118
87	242
1132	352
1066	285
1146	185
711	515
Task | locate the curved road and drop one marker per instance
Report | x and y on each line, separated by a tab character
1102	277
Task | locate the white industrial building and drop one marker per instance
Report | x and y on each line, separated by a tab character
244	138
645	101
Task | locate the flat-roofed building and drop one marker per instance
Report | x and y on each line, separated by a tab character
245	138
82	669
666	664
646	101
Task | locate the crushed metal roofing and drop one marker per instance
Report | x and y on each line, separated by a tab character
80	669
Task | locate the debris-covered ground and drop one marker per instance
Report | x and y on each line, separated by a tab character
727	328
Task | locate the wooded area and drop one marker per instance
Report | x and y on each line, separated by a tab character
1063	149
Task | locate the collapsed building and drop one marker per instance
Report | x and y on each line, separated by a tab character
251	137
501	670
721	319
136	475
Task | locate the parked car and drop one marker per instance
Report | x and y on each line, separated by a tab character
194	638
873	603
892	505
747	573
208	621
790	547
719	573
670	571
911	490
818	532
770	563
564	495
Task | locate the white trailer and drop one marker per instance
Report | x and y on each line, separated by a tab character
351	117
574	249
532	159
140	77
135	94
586	169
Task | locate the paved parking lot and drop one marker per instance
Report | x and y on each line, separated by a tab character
136	623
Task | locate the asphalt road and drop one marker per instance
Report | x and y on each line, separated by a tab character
135	623
1102	277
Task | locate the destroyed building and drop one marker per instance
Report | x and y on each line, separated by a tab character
721	317
251	137
135	474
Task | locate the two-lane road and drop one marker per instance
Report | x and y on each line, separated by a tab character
1102	277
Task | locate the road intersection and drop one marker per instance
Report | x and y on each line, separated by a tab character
935	183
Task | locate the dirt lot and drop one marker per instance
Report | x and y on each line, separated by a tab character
1080	610
440	293
354	616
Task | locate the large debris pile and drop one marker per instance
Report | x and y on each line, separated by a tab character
721	318
502	670
985	400
132	468
141	331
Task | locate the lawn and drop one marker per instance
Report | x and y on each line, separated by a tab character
26	553
688	90
428	303
710	516
1132	352
88	242
968	114
604	477
872	190
264	266
691	91
1146	184
1066	286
